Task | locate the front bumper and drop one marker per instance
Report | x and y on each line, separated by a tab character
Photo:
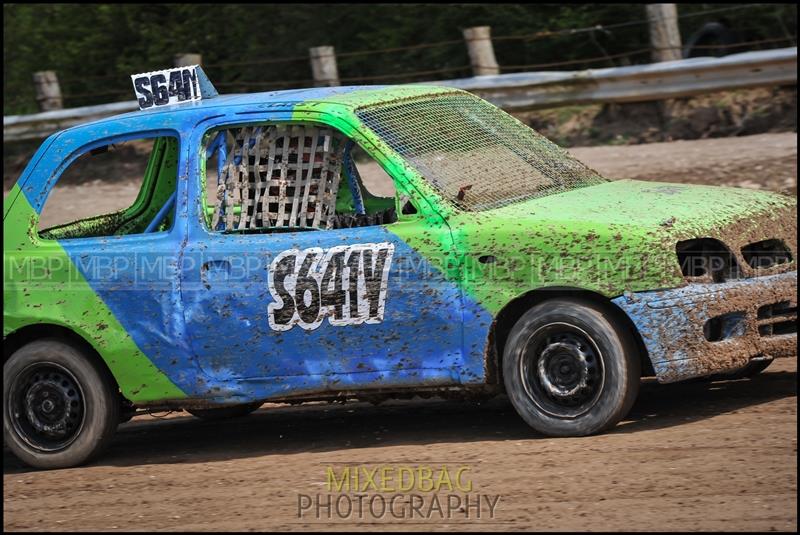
751	318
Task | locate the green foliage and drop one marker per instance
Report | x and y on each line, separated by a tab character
95	47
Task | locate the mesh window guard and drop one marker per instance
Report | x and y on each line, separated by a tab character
474	154
278	176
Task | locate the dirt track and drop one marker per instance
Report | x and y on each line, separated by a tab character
696	456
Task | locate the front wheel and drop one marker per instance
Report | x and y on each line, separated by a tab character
60	409
569	370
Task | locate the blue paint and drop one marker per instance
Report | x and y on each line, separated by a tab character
242	391
671	322
30	170
219	147
353	178
162	213
41	173
227	320
137	277
215	342
207	89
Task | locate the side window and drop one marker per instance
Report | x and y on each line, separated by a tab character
376	181
116	189
276	177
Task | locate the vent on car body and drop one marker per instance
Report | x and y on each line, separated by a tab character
726	326
706	259
777	318
766	254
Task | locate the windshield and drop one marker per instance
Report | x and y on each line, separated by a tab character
474	154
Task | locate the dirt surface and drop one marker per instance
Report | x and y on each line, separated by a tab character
742	112
763	161
695	456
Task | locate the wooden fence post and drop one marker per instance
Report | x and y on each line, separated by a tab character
323	66
186	60
481	52
48	92
665	37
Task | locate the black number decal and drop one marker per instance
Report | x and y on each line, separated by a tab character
334	297
307	285
160	92
373	277
325	281
283	269
146	100
352	263
176	86
190	83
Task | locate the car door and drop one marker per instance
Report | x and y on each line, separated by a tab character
119	273
298	310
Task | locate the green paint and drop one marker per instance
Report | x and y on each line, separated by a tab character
427	231
614	237
609	238
41	285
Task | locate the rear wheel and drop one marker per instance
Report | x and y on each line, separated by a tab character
569	370
60	409
223	413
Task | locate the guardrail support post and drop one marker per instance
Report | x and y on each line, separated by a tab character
48	92
323	66
665	37
481	51
187	60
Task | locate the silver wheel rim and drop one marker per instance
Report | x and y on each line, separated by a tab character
562	370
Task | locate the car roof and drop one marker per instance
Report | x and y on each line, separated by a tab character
348	96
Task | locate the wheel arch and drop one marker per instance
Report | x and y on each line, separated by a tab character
38	331
509	314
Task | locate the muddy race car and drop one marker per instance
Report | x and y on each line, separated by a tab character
257	265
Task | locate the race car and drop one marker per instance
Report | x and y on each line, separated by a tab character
255	266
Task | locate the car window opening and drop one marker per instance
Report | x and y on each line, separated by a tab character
277	178
148	206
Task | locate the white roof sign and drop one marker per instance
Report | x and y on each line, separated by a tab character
171	86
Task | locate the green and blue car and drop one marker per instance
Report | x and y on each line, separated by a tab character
255	266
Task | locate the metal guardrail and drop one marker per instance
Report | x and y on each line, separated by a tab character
655	81
532	90
39	125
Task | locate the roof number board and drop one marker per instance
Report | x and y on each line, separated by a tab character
167	87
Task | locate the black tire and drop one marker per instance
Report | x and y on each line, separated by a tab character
60	409
749	370
223	413
569	370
